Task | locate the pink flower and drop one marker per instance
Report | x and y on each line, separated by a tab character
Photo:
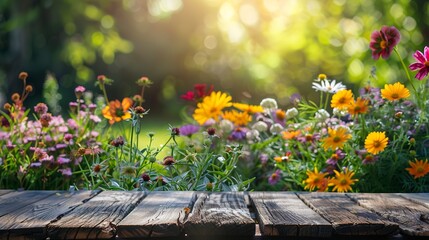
383	41
422	63
275	177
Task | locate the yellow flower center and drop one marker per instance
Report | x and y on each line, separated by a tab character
342	100
213	110
343	181
357	108
395	96
420	170
383	44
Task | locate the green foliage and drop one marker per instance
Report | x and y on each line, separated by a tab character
51	94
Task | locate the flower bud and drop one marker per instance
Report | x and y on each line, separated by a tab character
260	126
28	88
209	186
211	131
7	106
276	128
268	103
168	160
23	75
291	113
15	97
145	177
226	125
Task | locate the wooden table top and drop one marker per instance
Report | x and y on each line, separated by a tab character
212	215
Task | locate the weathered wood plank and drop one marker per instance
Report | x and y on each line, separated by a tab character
347	217
19	199
284	214
5	191
32	219
220	214
421	198
97	218
413	219
160	214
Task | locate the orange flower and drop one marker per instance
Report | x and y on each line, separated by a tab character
291	134
418	168
315	179
359	106
117	111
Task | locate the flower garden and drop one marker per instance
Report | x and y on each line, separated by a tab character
371	140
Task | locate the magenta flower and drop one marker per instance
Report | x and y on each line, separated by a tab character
422	63
275	177
383	41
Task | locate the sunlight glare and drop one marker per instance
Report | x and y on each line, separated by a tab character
249	15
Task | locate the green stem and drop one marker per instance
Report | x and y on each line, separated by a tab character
406	70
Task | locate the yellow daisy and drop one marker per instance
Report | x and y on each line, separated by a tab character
342	99
376	142
251	109
315	180
343	181
359	106
418	168
336	138
238	118
395	91
211	107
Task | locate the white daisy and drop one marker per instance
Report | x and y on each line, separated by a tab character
330	87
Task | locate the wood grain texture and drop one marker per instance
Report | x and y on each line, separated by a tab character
5	191
32	219
160	214
220	214
347	217
420	198
413	219
97	218
13	201
284	214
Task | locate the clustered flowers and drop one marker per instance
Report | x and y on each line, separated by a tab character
371	141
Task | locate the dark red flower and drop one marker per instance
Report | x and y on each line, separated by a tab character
200	91
383	41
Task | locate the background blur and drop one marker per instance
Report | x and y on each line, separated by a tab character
249	48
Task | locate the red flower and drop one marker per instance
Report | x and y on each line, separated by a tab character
383	41
188	96
200	91
422	63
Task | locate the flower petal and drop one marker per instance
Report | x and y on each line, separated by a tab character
419	56
422	73
416	66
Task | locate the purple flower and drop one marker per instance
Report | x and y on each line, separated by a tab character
275	177
238	134
263	158
188	130
338	155
65	171
62	159
422	63
383	41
